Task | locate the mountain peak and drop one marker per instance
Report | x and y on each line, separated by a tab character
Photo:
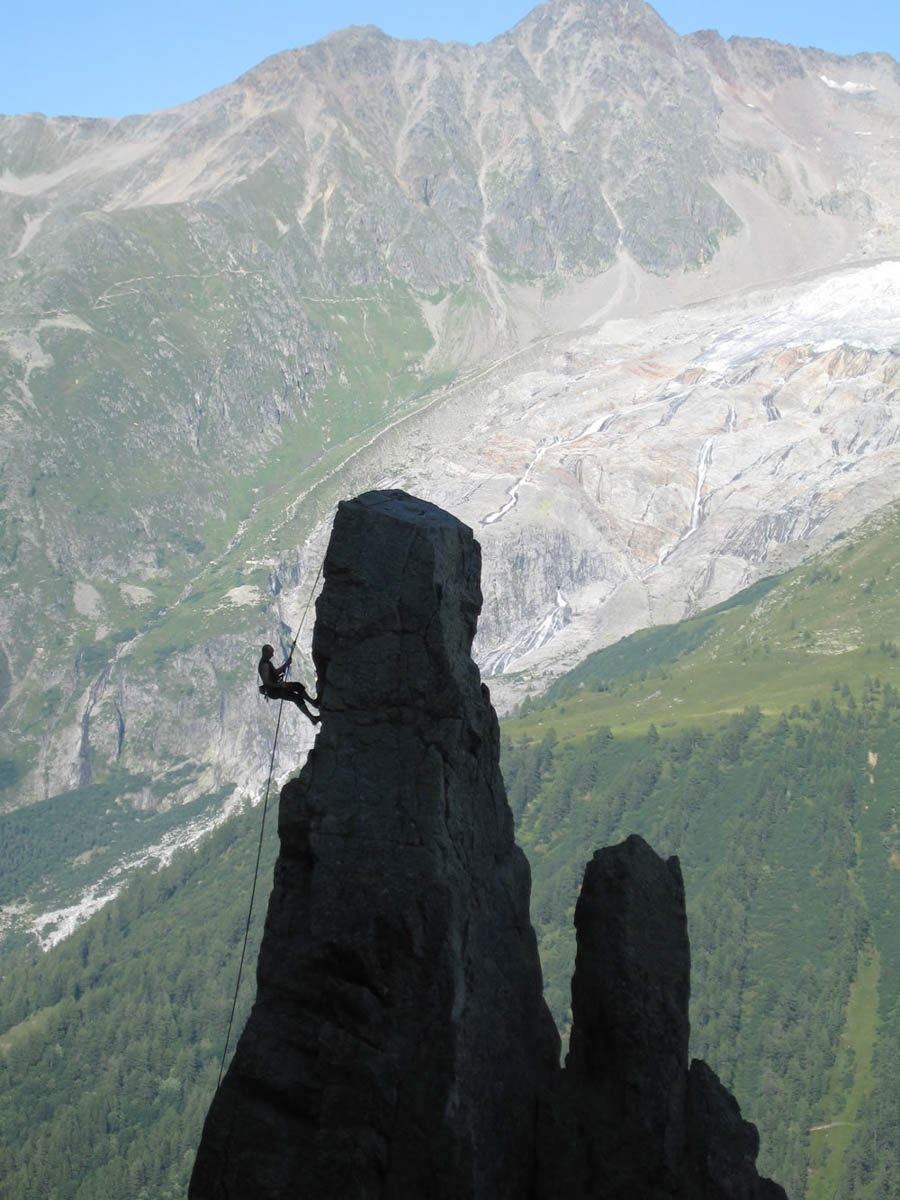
612	18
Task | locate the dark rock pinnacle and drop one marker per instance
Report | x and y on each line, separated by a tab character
399	1047
628	1119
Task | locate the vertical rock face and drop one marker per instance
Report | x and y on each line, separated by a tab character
399	1041
626	1071
399	1046
629	1118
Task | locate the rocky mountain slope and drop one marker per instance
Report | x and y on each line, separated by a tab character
636	472
399	1044
217	320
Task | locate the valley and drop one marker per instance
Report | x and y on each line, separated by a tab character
624	302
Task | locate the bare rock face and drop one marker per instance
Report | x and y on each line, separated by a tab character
399	1041
626	1069
722	1146
399	1046
629	1118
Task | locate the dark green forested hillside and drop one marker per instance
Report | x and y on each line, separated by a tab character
759	741
110	1043
790	847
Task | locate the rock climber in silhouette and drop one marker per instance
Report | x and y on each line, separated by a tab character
273	685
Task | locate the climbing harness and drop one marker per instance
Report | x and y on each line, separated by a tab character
262	829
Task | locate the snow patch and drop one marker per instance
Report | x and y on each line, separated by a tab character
64	321
854	308
853	89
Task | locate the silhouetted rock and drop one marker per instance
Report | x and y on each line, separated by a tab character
628	1120
722	1146
399	1041
399	1046
626	1072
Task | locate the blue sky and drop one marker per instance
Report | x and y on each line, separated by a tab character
108	59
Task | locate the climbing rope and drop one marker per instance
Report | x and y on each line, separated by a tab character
262	829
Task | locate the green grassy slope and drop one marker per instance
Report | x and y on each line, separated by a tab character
759	741
773	644
110	1044
176	401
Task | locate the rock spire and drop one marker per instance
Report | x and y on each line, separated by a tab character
399	1046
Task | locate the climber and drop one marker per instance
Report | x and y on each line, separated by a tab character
274	688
